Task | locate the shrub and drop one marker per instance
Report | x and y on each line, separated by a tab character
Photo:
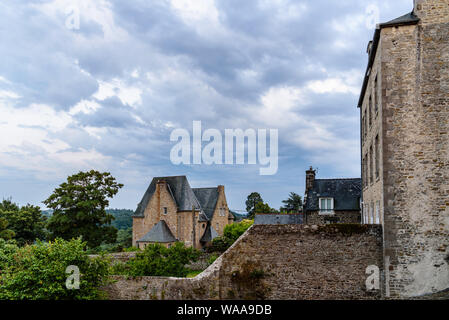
230	234
38	272
157	260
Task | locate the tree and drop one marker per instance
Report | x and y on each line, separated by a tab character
251	202
38	271
293	203
5	233
79	208
264	208
27	222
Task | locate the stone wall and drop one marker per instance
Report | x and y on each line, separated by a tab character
275	262
415	94
313	217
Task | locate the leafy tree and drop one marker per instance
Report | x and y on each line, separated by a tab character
122	218
293	203
79	208
264	208
251	202
125	237
27	222
38	271
5	233
231	233
157	260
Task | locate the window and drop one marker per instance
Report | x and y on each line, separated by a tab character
378	212
222	212
372	213
377	155
165	210
365	125
376	95
370	111
326	205
371	161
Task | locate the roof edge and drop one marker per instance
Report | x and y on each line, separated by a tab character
393	23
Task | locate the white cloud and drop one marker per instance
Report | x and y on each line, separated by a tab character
129	95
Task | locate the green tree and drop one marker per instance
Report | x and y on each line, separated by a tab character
157	260
293	203
27	222
79	208
251	202
231	233
5	233
122	218
38	271
264	208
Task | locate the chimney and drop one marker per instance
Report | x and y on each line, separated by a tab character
310	179
220	189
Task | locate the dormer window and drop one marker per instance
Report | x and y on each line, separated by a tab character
326	205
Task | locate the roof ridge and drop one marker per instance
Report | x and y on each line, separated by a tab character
340	179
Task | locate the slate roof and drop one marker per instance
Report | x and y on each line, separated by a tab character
159	233
203	199
346	193
406	19
207	197
209	234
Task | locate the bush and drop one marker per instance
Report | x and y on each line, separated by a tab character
230	234
157	260
38	271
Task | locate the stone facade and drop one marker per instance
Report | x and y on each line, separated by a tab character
343	195
405	147
291	262
187	226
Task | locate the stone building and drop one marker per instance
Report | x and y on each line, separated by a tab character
331	200
404	112
172	211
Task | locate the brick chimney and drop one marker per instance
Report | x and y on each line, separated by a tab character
220	189
160	185
310	179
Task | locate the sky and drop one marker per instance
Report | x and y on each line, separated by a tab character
102	85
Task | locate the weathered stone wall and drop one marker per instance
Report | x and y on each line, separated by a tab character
275	262
412	64
313	217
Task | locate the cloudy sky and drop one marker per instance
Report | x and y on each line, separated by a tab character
101	85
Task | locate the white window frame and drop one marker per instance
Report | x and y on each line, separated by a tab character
326	211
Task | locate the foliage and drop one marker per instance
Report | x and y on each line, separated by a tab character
293	204
230	234
122	218
7	250
5	233
157	260
251	202
212	259
79	208
264	208
27	222
38	271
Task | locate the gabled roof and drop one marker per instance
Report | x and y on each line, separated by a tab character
159	233
346	193
179	188
207	197
209	234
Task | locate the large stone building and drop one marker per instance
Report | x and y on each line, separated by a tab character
331	200
404	111
172	211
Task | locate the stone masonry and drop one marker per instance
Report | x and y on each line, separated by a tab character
299	262
405	147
